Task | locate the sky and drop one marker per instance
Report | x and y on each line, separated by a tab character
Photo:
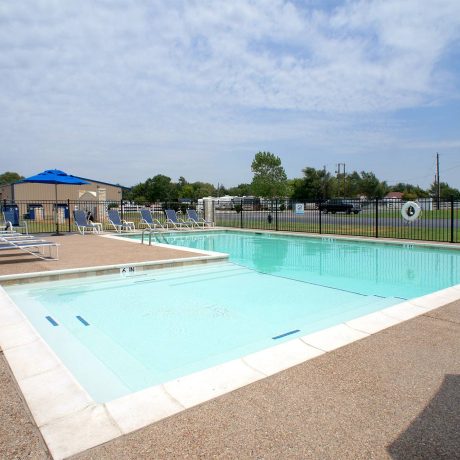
120	91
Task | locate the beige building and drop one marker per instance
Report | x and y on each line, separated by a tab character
33	192
37	201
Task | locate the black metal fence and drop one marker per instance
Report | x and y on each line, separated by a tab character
42	216
371	218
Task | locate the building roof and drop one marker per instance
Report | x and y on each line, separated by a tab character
83	178
105	183
394	195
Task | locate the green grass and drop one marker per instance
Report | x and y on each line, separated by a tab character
403	232
396	214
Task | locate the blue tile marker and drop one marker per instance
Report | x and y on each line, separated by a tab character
82	320
51	320
285	334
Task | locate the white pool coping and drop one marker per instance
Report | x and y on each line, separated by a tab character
70	421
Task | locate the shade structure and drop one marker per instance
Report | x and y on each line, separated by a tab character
56	177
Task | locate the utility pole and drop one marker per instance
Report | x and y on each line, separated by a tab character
341	170
438	183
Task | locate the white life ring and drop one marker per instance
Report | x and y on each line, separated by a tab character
410	211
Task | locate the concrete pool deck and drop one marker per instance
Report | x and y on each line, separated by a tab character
77	251
389	393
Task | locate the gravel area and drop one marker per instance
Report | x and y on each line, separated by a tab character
19	436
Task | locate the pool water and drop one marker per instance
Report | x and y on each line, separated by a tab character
368	268
122	334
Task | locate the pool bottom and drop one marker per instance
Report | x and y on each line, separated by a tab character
71	422
118	335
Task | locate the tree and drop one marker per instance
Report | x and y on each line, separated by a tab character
157	188
314	185
202	189
353	184
270	180
241	190
371	186
9	177
446	191
409	191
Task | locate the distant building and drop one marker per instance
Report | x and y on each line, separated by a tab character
94	191
394	196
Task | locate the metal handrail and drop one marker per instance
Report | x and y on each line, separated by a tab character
150	231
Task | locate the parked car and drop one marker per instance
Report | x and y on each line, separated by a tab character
339	205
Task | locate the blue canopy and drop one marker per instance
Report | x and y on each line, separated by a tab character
55	176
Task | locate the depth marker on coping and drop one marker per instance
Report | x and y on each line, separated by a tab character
51	320
285	334
82	320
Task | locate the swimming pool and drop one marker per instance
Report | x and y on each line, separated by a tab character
383	269
119	335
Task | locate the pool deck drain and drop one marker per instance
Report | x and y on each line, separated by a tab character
71	422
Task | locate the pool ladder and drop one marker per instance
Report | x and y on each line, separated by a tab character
152	231
149	231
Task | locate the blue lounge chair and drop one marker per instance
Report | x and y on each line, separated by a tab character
118	224
12	221
83	224
197	220
148	221
177	224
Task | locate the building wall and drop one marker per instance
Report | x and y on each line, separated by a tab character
45	192
6	192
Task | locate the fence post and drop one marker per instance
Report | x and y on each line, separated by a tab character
121	208
276	214
452	216
68	207
376	217
319	215
241	214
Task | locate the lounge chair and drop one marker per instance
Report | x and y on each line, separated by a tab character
148	221
12	221
118	224
197	220
29	244
83	224
172	219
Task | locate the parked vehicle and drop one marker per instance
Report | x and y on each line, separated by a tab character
338	205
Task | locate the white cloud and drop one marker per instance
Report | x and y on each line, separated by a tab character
209	77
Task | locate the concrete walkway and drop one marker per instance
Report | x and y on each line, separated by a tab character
86	251
395	394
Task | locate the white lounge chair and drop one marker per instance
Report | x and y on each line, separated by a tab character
29	244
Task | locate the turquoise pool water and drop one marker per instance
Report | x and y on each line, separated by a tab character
122	334
368	268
